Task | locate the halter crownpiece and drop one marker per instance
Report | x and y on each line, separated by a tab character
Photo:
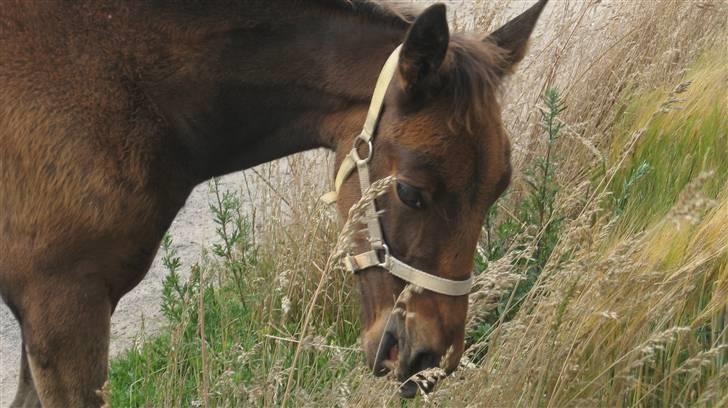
353	161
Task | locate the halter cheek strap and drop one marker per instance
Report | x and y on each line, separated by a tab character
353	161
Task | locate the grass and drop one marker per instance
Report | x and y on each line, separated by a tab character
693	123
605	277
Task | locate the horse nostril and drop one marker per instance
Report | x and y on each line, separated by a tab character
387	354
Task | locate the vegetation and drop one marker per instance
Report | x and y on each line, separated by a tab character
529	234
603	272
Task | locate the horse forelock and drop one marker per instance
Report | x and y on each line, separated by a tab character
472	80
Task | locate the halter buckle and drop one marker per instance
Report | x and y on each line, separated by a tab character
386	262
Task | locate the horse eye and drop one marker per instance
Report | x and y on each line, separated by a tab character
410	196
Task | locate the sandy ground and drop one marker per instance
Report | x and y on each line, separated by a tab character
192	230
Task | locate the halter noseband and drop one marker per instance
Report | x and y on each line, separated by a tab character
353	161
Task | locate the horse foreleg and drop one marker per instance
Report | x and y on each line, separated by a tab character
26	396
66	333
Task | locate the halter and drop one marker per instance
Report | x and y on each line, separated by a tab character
353	161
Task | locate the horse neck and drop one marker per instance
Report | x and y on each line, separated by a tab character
245	94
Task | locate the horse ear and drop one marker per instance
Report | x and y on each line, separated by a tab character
513	36
424	48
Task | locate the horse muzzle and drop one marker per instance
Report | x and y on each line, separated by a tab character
397	353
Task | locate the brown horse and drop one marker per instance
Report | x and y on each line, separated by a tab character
111	112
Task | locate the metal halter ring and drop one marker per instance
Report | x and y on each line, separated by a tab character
355	150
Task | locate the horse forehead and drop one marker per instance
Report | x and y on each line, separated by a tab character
456	156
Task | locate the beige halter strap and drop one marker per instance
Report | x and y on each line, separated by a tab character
353	161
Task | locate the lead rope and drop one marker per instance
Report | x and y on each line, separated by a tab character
354	161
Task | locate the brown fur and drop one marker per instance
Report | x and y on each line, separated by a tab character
111	112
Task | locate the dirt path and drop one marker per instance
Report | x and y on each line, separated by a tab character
192	230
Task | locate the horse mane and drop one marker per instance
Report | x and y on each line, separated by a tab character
398	16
